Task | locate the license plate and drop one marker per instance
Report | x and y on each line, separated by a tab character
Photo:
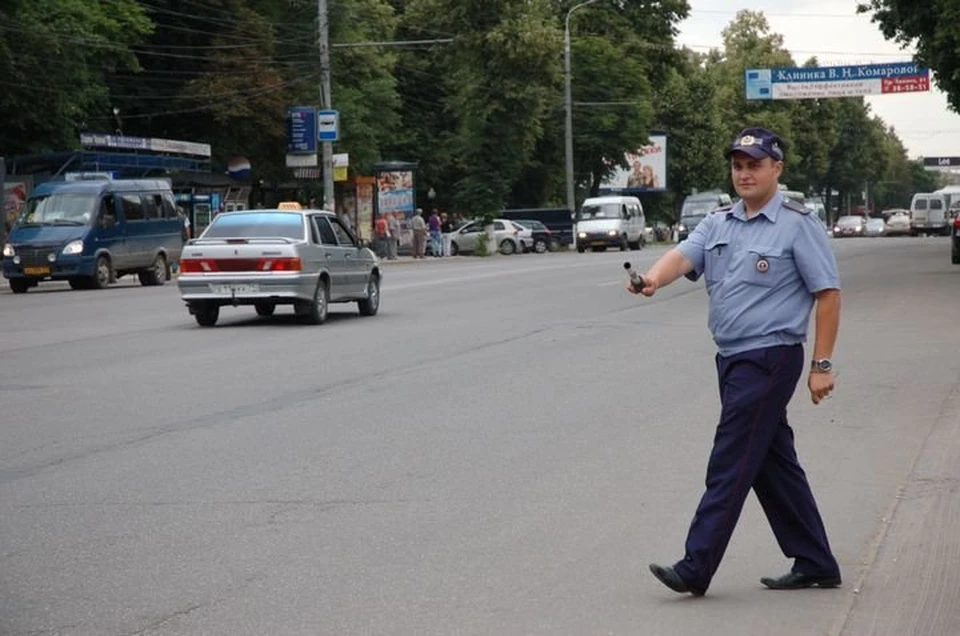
36	271
239	288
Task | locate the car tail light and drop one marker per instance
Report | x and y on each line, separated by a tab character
211	265
280	265
956	222
195	265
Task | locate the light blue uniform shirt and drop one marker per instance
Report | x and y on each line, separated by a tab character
761	274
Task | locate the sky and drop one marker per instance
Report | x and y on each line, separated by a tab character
831	31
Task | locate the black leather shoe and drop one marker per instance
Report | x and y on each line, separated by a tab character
798	580
669	577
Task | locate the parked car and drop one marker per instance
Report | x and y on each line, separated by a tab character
849	226
542	238
874	227
898	223
304	258
505	237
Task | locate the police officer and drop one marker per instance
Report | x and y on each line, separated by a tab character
766	262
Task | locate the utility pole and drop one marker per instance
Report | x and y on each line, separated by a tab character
3	205
326	101
568	103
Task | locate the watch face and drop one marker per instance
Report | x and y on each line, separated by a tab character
824	365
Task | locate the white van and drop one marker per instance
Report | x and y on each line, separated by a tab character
928	214
611	221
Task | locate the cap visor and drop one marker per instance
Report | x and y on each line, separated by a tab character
752	151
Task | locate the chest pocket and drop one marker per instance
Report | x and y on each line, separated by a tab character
716	260
765	266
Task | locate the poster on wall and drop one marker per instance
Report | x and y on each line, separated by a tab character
14	196
395	197
646	171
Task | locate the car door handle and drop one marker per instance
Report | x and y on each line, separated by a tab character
328	255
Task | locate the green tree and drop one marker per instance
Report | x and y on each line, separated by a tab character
54	58
930	25
500	88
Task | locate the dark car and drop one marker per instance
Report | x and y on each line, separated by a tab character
696	207
543	239
955	241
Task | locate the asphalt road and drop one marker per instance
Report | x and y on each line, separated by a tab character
502	450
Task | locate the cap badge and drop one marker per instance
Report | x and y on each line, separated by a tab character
747	140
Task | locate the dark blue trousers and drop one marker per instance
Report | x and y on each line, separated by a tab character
753	448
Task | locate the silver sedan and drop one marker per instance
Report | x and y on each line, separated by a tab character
304	258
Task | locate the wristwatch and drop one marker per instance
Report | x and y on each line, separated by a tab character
821	366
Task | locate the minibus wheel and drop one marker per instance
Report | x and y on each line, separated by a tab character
103	274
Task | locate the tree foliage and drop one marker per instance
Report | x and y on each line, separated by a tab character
931	25
478	103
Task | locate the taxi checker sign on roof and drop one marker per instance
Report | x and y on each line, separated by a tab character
836	81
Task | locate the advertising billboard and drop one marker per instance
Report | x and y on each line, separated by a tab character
836	81
646	171
395	193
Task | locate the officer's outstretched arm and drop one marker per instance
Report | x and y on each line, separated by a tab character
667	269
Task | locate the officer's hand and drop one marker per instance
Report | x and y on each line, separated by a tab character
820	385
649	288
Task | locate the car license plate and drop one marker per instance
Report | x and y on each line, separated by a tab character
36	271
236	288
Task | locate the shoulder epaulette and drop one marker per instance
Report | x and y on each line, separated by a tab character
723	208
790	204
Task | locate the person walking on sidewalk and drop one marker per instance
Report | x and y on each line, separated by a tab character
393	240
419	234
436	237
446	227
766	262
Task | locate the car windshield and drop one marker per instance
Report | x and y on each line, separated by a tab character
698	208
256	225
72	208
600	211
849	221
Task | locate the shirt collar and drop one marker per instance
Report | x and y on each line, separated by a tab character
770	210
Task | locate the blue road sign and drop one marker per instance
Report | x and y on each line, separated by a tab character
302	130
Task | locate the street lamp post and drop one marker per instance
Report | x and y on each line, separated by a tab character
568	103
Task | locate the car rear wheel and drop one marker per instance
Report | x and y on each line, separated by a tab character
507	247
206	314
370	305
454	249
156	275
540	246
581	249
79	283
265	309
314	312
624	245
19	285
103	274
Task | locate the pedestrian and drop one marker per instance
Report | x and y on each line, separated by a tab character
436	236
381	231
186	233
766	262
446	227
419	227
393	246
